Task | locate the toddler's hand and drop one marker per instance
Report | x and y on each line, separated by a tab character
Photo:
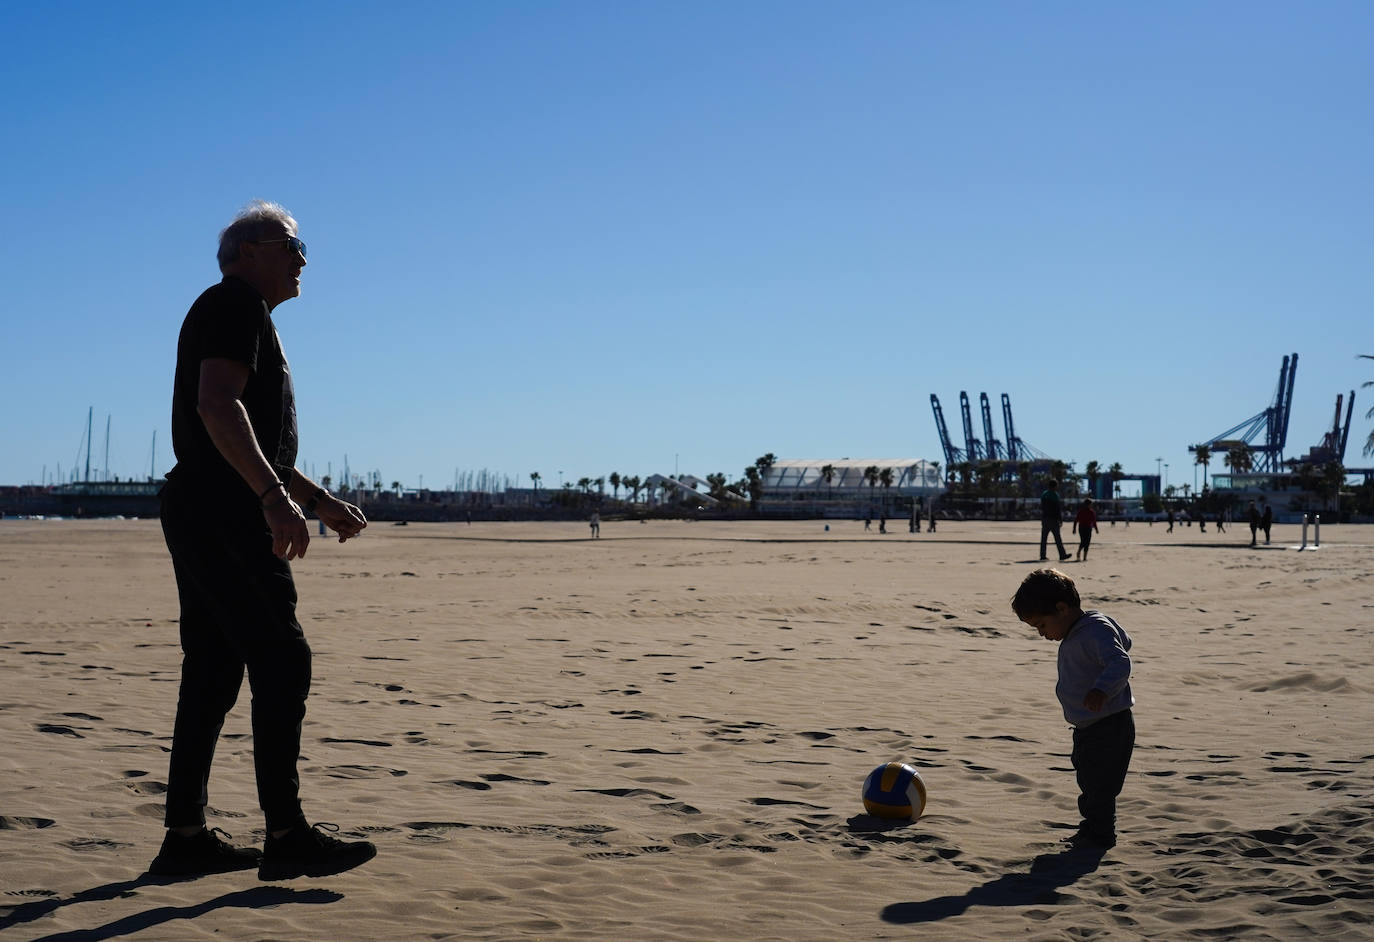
1095	700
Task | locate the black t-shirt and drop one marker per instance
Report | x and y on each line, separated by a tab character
231	320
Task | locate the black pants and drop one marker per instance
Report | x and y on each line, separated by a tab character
238	610
1101	755
1046	528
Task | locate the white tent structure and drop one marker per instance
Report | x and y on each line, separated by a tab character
805	479
687	486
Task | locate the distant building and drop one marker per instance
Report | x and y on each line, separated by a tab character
791	482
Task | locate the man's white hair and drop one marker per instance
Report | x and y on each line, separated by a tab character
251	223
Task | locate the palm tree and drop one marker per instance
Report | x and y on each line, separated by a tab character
885	478
632	485
600	486
716	484
754	485
765	464
828	476
535	479
1060	472
871	476
1203	455
1239	459
585	484
615	484
1116	473
1092	472
1332	479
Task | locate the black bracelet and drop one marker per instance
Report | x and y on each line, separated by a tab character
314	500
275	485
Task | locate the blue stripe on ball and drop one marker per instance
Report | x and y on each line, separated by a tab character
894	790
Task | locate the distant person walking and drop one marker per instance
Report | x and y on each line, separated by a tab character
1266	520
1221	521
1051	520
1171	521
1085	523
595	524
1252	512
231	516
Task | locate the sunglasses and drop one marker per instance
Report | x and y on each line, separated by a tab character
294	244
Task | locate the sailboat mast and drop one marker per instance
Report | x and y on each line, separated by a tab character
90	414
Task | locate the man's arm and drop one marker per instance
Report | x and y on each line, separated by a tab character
219	404
339	515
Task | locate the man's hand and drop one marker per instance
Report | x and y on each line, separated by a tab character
290	534
340	516
1095	700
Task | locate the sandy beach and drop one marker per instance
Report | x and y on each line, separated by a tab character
662	734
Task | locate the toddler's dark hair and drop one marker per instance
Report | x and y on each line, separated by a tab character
1041	590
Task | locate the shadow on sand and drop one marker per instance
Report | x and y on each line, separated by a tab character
253	898
1038	886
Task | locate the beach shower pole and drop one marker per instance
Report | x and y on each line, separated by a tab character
1317	532
1304	533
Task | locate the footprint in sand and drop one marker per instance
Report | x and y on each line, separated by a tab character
362	772
18	823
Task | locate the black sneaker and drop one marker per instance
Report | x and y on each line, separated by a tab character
310	852
1090	840
206	852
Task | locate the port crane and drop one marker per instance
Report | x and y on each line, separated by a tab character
1264	434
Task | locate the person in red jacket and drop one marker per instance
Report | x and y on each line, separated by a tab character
1085	524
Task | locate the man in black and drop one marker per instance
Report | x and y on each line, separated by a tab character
232	520
1051	519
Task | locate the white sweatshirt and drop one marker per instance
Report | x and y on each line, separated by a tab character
1093	656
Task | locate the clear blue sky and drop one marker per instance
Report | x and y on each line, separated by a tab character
586	237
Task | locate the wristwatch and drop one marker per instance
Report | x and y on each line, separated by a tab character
314	500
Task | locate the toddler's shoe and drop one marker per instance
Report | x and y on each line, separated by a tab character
1090	840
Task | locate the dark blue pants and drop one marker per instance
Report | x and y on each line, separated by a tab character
1101	755
1046	528
238	611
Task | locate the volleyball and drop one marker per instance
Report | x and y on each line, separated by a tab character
894	790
